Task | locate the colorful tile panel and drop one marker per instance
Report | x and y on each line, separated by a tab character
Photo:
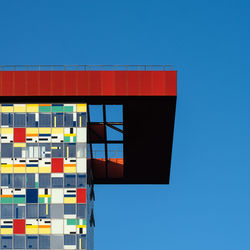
43	176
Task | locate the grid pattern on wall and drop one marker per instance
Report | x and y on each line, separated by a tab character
43	176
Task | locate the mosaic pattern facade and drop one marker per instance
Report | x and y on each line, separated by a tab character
43	176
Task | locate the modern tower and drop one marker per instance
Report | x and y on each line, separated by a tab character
65	129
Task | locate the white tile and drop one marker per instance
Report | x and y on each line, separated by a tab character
57	195
57	226
81	135
81	165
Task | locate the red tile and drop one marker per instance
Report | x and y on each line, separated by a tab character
19	134
81	195
19	226
57	165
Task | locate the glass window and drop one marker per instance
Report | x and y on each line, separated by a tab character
114	113
56	211
19	120
19	180
19	242
31	211
32	120
19	211
69	150
6	242
56	241
19	152
31	242
44	180
57	182
81	120
69	120
96	113
81	150
7	120
83	241
44	120
44	242
69	239
57	150
69	209
31	182
44	211
7	180
81	180
7	150
32	150
69	180
81	210
6	211
45	150
57	120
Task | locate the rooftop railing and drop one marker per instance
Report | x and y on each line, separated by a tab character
86	67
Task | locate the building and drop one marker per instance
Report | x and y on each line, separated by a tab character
59	137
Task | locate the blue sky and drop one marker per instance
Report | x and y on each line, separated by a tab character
207	204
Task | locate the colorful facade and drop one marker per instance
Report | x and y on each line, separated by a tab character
43	176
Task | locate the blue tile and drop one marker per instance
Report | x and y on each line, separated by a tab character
31	195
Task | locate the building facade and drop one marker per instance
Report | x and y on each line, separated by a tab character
43	176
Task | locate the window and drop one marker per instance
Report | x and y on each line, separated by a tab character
44	180
57	120
19	180
6	150
19	120
19	211
7	180
31	242
69	180
32	150
44	242
32	211
19	242
7	120
6	211
44	120
6	242
81	180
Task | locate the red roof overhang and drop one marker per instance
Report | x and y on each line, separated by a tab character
88	83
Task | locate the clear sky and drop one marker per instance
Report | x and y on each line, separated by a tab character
207	204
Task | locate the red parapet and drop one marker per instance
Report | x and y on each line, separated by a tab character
88	83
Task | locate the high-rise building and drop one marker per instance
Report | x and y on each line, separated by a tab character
64	129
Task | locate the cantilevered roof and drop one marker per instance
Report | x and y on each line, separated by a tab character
148	95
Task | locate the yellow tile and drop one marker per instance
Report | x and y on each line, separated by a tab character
19	145
31	229
6	230
70	200
7	131
7	109
20	108
7	170
44	169
31	169
44	130
32	108
19	170
31	130
44	230
57	131
81	107
69	169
